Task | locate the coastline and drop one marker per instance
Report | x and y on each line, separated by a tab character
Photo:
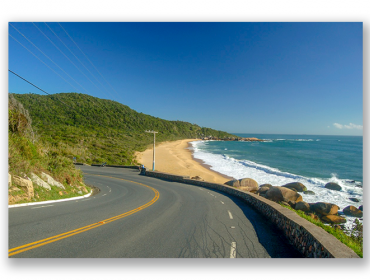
175	157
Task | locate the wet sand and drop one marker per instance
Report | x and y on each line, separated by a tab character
174	157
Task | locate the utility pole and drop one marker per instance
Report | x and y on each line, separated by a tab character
154	132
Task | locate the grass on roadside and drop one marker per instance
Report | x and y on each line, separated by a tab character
42	194
353	239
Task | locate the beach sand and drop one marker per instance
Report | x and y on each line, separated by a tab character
174	157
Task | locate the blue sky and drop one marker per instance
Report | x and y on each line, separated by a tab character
294	78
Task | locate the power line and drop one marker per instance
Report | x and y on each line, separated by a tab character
48	57
67	58
88	58
42	61
64	54
69	107
28	81
77	58
73	109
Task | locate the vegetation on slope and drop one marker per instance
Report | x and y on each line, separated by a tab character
353	238
27	153
97	130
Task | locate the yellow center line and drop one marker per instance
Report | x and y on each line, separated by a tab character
48	240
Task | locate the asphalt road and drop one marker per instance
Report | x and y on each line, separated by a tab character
134	216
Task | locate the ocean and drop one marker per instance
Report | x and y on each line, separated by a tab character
313	160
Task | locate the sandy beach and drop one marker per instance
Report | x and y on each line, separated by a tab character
174	157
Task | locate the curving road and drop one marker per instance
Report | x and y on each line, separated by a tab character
135	216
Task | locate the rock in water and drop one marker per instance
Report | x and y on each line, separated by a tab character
309	192
323	208
352	211
333	186
296	186
354	199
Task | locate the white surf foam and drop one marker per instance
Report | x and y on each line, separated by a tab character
268	175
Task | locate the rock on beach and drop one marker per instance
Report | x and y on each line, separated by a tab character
245	182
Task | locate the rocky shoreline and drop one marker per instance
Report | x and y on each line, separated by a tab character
289	195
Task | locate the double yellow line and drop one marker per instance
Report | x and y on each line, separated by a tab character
45	241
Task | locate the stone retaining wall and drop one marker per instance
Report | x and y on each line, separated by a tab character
117	166
311	240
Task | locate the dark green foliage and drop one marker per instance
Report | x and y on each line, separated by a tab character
97	130
27	154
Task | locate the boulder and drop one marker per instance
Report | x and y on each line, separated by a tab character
285	203
50	180
354	199
263	189
361	208
248	182
352	211
333	219
197	178
323	208
292	204
38	181
249	189
278	194
296	186
233	183
309	192
25	183
333	186
303	206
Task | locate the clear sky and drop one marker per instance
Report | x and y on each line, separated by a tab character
293	78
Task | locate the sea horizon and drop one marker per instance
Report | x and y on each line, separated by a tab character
312	160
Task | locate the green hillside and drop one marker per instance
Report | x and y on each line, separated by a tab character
97	130
28	154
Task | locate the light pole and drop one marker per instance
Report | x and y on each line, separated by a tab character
154	132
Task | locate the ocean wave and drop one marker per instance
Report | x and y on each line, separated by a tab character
264	174
294	140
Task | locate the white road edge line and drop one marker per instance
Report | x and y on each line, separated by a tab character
42	206
233	250
49	201
230	215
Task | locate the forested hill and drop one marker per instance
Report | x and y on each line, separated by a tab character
97	130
